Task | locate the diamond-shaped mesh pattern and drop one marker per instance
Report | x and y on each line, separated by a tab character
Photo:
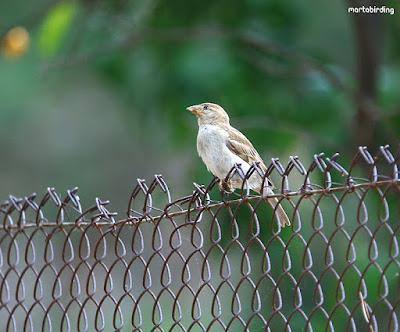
202	264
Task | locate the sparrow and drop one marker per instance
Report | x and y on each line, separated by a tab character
221	147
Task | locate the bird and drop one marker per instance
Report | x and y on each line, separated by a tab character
221	147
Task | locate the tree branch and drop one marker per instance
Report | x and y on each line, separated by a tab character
369	36
249	38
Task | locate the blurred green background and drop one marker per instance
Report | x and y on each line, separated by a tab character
98	97
93	94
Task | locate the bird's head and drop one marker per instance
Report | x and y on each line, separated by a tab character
209	113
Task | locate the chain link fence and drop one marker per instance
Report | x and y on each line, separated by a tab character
211	261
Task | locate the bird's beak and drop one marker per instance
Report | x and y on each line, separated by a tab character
195	109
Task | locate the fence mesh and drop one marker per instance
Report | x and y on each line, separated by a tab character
211	261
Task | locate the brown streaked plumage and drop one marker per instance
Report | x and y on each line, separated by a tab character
221	147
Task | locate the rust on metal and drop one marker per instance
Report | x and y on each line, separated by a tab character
210	260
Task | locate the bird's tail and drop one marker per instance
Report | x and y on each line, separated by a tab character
274	202
282	216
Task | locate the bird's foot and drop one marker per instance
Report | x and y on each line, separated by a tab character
225	186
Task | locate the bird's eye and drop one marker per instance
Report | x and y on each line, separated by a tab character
205	108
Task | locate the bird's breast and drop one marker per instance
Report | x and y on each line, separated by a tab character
211	146
210	141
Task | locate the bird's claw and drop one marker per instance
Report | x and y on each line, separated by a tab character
225	186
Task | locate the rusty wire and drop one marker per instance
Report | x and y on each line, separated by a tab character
211	261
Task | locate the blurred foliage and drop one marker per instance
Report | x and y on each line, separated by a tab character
55	25
99	98
107	82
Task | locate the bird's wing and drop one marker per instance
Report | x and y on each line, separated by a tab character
238	144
